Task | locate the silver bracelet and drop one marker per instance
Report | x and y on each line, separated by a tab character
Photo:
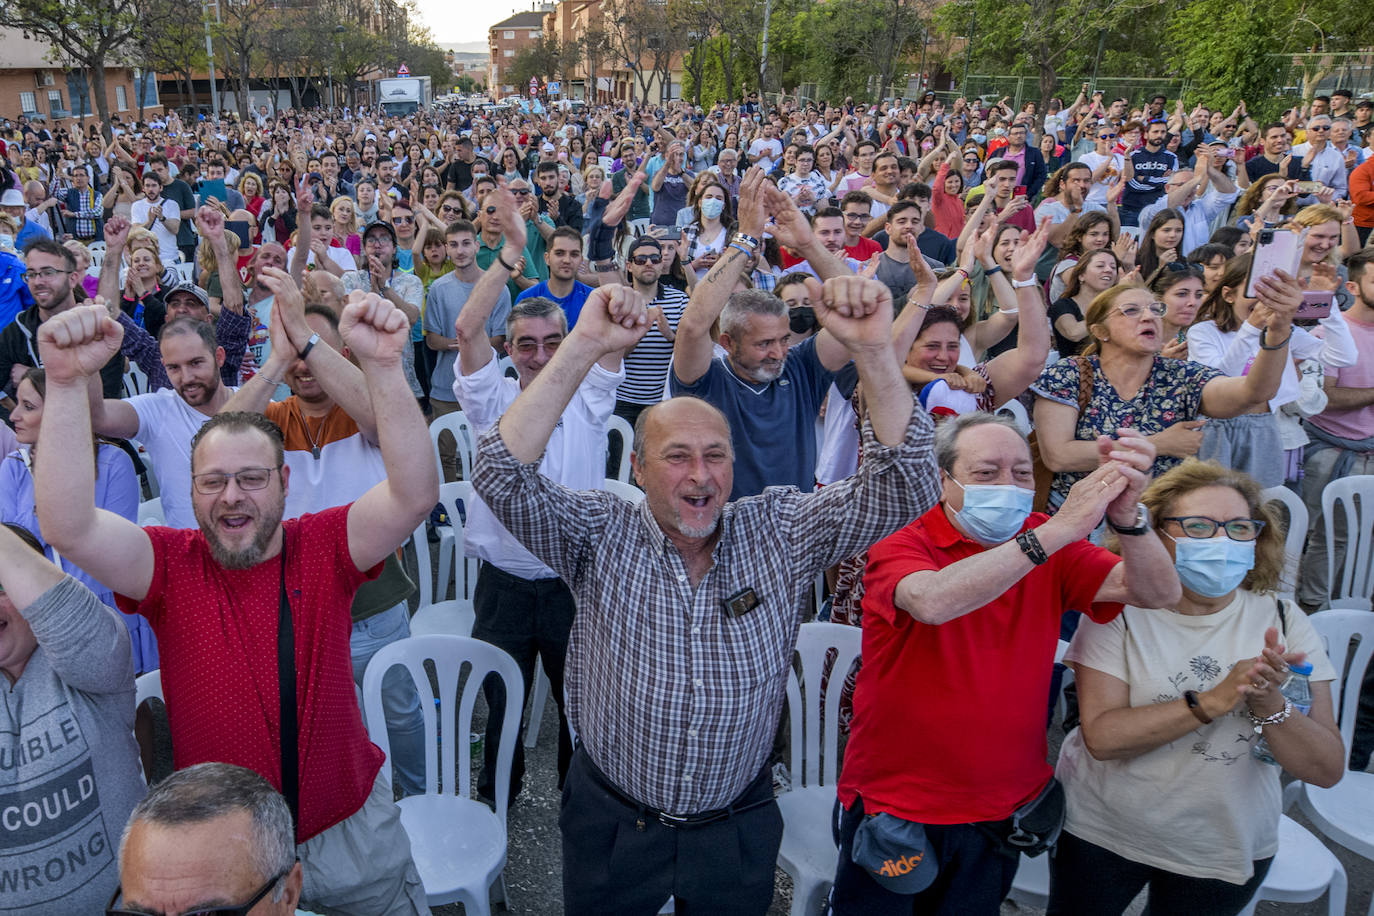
1280	716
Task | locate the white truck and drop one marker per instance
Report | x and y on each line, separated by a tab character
404	95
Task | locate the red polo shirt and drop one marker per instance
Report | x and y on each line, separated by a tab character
949	720
217	637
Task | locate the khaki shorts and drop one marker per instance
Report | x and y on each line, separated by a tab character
362	866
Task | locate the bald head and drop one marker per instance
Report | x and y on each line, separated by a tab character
665	415
683	459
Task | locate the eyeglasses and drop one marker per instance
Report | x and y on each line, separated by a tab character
972	160
1319	127
1106	136
240	910
1200	526
641	259
449	208
531	347
247	479
403	219
1135	311
521	192
47	273
489	210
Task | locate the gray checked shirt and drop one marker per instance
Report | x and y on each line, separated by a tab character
676	700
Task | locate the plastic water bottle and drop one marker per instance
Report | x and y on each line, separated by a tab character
1298	690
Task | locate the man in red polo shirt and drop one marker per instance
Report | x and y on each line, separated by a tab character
961	622
215	596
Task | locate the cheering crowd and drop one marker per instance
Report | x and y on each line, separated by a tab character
984	372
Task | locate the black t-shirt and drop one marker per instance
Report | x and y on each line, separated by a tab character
458	174
1065	306
1259	166
180	192
1151	175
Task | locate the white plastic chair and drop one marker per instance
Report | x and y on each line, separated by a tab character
135	381
1031	887
1017	412
1355	497
507	367
149	471
626	491
808	852
147	686
437	613
458	843
1344	813
97	250
463	433
185	271
150	512
619	426
1303	870
1295	535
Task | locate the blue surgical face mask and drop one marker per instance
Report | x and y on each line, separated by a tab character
711	208
993	513
1212	567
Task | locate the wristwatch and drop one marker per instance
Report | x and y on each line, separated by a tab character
1142	522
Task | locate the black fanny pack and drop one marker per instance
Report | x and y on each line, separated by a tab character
1032	828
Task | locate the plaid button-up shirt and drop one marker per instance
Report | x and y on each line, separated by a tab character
676	700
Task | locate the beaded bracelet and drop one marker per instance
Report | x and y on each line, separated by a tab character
1280	716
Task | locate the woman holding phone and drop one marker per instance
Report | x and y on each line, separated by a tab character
1229	336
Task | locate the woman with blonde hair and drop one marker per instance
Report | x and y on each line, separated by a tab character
1163	788
1120	380
346	226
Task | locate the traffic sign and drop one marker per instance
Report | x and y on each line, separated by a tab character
403	70
553	88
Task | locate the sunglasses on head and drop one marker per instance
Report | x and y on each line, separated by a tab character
1178	267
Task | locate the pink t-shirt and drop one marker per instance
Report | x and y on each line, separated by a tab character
1357	423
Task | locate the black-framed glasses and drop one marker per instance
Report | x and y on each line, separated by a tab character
247	479
1106	136
521	192
1200	526
1135	311
450	208
490	210
1319	127
240	910
47	273
641	259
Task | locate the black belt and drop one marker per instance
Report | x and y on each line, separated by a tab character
676	821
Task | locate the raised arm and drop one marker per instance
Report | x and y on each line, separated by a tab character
74	345
210	225
385	516
1279	298
470	330
1013	372
612	320
693	348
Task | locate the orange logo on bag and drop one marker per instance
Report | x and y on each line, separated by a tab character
893	868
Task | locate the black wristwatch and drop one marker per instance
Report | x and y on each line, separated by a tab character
1142	522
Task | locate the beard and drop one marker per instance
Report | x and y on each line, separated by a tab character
693	531
249	555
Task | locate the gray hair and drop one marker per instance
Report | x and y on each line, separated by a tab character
536	307
748	302
947	434
207	791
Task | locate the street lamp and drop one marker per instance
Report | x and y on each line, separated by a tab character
210	55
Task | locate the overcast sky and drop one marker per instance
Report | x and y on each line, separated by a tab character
464	20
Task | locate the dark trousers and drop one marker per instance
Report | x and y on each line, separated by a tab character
1087	880
525	617
974	877
617	858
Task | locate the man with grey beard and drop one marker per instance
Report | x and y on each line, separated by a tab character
246	602
770	392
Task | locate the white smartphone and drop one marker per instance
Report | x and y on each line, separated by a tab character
1277	249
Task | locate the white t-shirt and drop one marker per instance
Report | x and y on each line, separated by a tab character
1097	193
166	241
839	454
339	256
765	152
1200	805
166	425
575	456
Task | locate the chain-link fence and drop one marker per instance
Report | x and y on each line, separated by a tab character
1302	76
1020	89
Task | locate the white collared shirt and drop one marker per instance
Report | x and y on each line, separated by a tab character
575	456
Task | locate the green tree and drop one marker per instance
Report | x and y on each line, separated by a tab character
93	34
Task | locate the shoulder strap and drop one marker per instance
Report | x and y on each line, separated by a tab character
286	689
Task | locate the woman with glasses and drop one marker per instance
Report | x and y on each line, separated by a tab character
1107	164
1163	790
1228	336
1129	384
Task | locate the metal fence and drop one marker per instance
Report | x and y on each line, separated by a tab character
1300	76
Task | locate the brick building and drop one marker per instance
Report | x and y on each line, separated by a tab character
33	83
507	39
